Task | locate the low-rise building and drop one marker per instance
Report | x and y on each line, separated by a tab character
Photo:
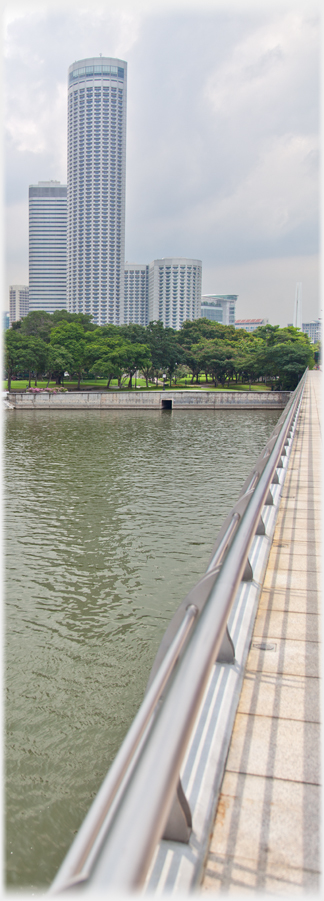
5	320
250	325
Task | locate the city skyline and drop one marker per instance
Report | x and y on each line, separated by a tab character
221	145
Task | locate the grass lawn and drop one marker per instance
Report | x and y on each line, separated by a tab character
19	385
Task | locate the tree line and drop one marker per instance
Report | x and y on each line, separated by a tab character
44	344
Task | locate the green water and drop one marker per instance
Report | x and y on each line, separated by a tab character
110	519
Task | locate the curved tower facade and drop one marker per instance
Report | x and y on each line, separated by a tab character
97	96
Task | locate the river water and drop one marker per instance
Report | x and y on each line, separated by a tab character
110	520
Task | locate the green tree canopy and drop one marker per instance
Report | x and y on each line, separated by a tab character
71	337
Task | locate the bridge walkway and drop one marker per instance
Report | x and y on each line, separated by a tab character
266	833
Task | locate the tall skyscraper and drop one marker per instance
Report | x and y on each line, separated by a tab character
174	290
97	95
18	302
47	246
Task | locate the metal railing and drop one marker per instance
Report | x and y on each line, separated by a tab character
115	844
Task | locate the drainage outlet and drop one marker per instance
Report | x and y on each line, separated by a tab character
264	645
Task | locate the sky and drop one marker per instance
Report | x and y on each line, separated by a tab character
222	135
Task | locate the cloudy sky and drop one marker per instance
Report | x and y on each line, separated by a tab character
222	135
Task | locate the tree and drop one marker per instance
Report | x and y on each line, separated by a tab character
136	356
13	347
84	319
215	357
24	353
57	361
37	324
287	362
71	337
133	332
106	352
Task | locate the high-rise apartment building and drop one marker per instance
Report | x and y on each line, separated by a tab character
219	307
136	293
18	302
174	290
97	95
47	246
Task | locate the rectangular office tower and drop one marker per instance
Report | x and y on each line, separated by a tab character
174	290
97	93
47	246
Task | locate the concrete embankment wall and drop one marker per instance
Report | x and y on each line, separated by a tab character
150	400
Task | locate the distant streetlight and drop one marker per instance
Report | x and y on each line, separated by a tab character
164	378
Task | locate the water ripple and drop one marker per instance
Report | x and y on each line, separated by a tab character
111	517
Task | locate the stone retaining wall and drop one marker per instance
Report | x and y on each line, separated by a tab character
150	400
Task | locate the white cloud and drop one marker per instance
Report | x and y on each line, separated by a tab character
222	122
278	195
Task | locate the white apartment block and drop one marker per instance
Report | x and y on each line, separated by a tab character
174	291
219	307
47	246
97	93
136	293
18	302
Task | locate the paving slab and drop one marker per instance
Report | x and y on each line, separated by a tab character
282	579
286	696
282	624
296	601
246	830
273	746
294	657
287	559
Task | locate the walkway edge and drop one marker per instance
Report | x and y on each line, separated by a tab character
175	866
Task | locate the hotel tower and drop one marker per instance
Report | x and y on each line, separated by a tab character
97	94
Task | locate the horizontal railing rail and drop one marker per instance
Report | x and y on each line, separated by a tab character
115	844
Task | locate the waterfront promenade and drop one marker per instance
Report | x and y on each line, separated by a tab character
266	835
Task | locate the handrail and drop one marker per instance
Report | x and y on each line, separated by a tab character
116	842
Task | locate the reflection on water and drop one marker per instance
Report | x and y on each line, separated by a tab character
111	517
